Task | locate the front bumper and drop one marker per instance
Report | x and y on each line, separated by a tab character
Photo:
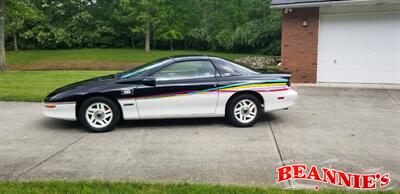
64	110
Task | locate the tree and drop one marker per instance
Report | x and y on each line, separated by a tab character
125	16
134	32
19	12
149	10
2	47
170	36
229	25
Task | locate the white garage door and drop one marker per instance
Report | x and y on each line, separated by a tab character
359	48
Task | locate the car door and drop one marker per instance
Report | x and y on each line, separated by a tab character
182	89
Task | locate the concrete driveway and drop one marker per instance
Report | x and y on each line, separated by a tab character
357	130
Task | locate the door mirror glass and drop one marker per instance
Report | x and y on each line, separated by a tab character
149	81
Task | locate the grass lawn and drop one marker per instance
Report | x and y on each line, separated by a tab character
145	188
35	85
95	59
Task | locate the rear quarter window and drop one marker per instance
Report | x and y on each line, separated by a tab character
228	69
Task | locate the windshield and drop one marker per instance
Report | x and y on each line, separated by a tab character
141	70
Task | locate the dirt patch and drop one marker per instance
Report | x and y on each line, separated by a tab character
75	65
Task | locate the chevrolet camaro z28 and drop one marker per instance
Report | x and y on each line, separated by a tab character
173	87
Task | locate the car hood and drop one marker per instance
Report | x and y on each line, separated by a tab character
91	81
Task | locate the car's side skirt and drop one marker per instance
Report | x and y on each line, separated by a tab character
178	116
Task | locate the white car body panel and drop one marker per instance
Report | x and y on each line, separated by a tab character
129	109
211	104
64	111
177	106
272	101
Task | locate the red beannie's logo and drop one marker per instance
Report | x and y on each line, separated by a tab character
333	177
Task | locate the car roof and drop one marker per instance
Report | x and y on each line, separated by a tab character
189	57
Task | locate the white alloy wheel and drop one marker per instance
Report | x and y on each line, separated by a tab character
99	115
245	111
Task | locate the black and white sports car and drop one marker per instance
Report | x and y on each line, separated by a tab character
174	87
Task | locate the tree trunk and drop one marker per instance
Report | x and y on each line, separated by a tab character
132	42
171	45
154	41
15	41
2	49
147	43
186	47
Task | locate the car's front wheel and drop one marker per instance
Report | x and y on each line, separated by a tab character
244	110
99	114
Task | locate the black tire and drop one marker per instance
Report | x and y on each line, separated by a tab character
230	110
116	114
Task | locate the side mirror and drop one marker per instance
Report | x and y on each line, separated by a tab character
149	81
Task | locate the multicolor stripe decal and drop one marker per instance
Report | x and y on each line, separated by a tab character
265	86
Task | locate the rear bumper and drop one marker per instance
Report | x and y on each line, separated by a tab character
279	100
64	111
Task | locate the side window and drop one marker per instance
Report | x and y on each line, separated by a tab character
186	70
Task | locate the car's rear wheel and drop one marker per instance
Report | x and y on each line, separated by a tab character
244	110
99	114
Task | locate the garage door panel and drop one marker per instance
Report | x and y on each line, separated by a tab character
360	48
381	47
356	77
364	62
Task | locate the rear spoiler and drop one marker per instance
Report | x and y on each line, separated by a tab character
283	74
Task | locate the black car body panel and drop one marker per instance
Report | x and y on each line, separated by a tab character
119	86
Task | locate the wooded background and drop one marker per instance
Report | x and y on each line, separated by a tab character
225	25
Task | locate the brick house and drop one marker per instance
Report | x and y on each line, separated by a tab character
353	41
